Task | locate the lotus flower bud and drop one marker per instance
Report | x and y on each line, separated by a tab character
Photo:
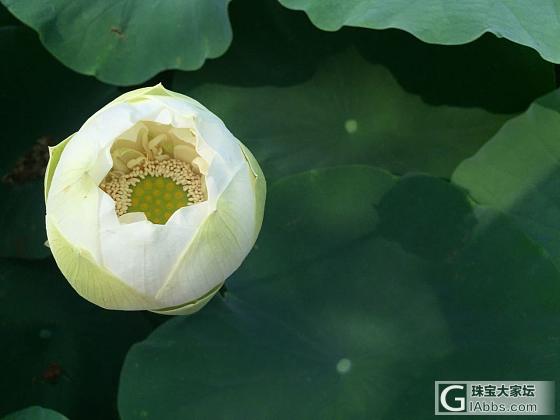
152	204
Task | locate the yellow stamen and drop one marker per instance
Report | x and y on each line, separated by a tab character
156	187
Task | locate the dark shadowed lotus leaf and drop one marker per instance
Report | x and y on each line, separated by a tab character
350	112
58	350
356	324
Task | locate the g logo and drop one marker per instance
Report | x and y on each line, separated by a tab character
452	398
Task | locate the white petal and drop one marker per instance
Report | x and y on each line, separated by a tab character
73	201
222	242
74	206
208	126
143	253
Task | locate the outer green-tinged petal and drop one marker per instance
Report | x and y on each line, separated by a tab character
90	280
259	185
191	307
139	94
54	157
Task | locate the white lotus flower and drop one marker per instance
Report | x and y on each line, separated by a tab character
152	204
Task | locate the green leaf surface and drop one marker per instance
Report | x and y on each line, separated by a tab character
274	46
36	111
58	350
128	42
412	106
518	172
358	323
35	413
448	22
314	210
350	112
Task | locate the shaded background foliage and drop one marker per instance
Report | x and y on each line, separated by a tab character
410	232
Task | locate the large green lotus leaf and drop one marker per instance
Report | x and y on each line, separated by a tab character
445	22
35	413
274	46
128	42
518	171
358	326
58	350
36	111
350	112
314	210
